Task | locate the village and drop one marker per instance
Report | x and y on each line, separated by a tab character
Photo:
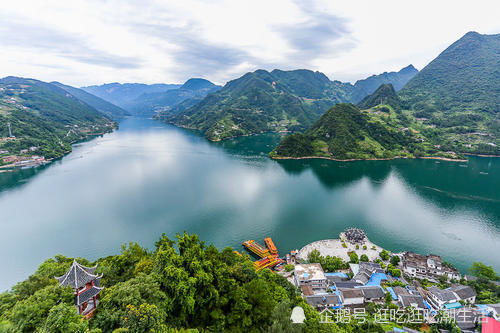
371	277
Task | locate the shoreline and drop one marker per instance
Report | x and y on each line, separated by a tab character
13	168
365	159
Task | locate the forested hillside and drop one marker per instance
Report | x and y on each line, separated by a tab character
459	93
345	132
181	284
44	119
263	101
97	103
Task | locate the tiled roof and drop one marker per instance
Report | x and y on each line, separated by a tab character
87	294
372	292
317	300
77	276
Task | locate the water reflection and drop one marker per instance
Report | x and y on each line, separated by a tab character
149	178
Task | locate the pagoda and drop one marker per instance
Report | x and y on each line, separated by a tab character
86	285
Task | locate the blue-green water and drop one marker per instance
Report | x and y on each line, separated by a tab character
148	178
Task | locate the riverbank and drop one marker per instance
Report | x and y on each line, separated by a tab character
365	159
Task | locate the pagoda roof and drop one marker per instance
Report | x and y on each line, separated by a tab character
87	294
78	276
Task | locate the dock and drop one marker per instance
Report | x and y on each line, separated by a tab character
256	248
270	245
269	254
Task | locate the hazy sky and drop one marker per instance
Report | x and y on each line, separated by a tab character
97	41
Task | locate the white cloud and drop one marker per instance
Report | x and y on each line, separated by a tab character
83	42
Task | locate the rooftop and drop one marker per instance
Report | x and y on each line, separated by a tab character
77	276
317	300
306	272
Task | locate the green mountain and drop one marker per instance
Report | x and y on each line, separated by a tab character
459	93
45	118
151	103
346	132
385	94
369	85
124	94
263	101
97	103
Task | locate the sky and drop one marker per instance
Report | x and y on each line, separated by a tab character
169	41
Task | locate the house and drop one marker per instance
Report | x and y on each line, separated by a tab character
440	297
450	297
352	296
372	294
347	284
465	293
364	271
413	301
429	267
323	301
310	275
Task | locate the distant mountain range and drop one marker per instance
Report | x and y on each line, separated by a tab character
396	79
270	101
99	104
44	119
146	100
151	103
125	94
451	107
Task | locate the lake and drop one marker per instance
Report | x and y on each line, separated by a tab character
150	178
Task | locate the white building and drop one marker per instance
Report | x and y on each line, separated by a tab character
310	275
429	267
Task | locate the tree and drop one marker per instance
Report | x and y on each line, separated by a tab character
353	258
289	267
384	255
143	318
31	313
483	271
314	256
395	261
63	318
364	258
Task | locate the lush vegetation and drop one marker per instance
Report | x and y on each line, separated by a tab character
181	284
459	94
487	284
329	263
346	132
384	95
263	101
45	116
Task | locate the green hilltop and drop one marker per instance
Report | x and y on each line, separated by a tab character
346	132
459	94
263	101
44	116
